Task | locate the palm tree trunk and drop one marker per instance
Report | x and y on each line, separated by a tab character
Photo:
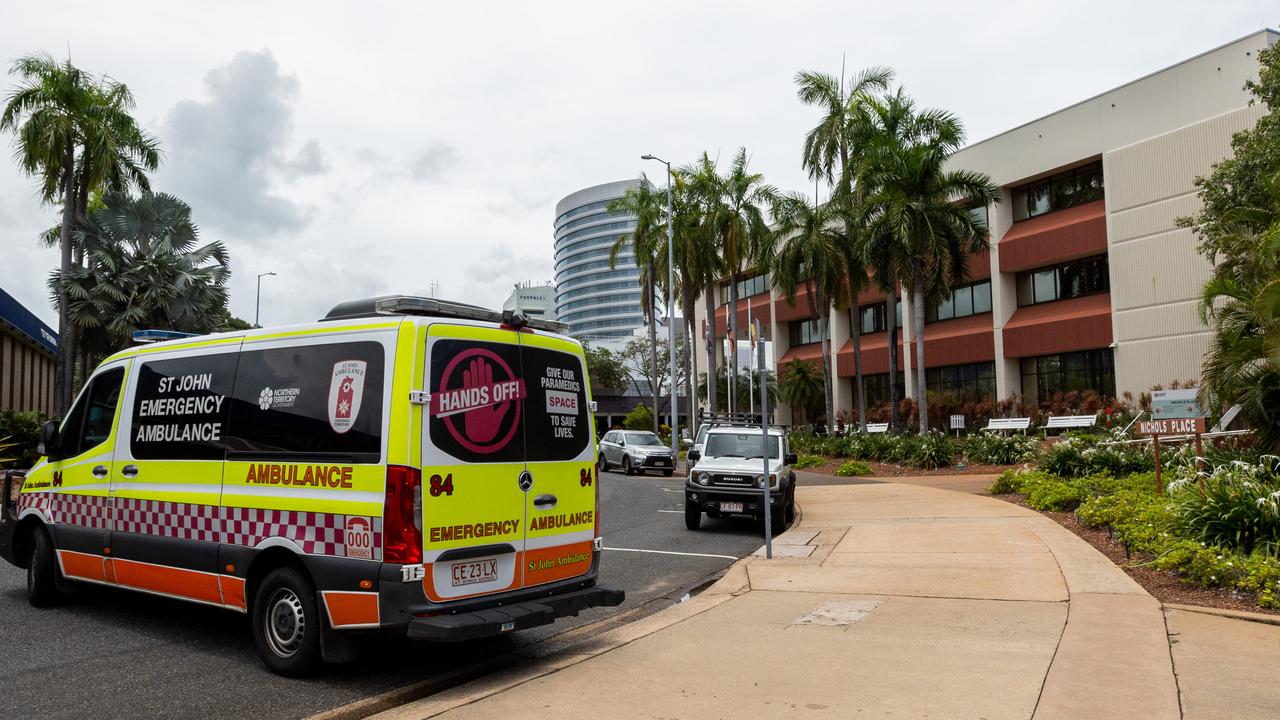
891	321
712	378
66	341
917	323
687	304
855	332
653	347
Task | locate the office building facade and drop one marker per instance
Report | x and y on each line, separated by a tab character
28	358
1089	282
596	301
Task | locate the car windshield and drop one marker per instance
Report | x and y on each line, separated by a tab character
643	438
743	445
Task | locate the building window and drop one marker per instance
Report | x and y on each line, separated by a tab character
1043	377
876	388
753	285
1058	192
1065	281
973	299
977	379
873	319
804	332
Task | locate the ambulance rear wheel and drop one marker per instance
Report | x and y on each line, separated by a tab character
42	571
287	623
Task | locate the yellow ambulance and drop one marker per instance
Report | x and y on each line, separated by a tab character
404	464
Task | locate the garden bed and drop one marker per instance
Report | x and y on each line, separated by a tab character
1167	586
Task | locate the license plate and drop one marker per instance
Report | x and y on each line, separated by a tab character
730	507
661	461
476	571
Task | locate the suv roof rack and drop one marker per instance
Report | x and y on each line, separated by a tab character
433	307
729	419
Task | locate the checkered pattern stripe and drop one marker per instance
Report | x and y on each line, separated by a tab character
64	508
316	533
168	519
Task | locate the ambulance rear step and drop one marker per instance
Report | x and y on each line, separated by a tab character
508	618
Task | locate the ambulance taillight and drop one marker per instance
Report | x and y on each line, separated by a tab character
402	516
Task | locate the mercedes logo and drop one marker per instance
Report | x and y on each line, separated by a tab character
526	481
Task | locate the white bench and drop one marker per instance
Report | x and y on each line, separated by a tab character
877	428
1002	424
1059	422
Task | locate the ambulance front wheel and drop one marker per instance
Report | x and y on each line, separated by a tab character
287	622
42	570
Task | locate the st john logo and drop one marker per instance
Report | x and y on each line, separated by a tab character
346	390
479	400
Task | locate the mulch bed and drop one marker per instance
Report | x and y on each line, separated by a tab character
1164	585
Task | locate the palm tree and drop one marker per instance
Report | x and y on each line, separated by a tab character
75	135
644	203
1242	304
735	208
800	387
703	253
144	268
832	151
811	255
917	211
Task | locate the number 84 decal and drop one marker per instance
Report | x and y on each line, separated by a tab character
444	485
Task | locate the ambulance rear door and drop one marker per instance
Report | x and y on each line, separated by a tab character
561	501
474	478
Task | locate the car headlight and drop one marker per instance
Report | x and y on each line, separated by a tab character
704	478
773	481
759	481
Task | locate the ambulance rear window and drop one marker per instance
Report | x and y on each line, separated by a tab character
309	401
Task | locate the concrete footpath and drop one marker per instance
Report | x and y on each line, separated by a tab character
900	600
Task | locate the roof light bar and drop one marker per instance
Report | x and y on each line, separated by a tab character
431	307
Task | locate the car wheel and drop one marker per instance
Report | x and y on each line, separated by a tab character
776	520
791	506
626	465
287	623
601	464
692	515
42	571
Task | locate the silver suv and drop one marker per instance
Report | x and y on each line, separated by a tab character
636	451
728	478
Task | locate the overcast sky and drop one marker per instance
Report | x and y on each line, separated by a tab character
374	147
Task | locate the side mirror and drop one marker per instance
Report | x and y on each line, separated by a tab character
693	456
790	459
49	441
622	442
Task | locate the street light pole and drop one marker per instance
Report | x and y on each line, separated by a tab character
671	324
257	303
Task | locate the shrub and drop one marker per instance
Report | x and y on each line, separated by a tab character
1010	481
1239	508
852	468
992	449
808	461
639	418
902	449
20	430
932	450
1045	492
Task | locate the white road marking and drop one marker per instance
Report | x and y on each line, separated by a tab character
672	552
672	511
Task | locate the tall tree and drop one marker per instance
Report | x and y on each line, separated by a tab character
702	181
144	268
75	135
736	214
833	151
800	386
811	255
696	264
642	201
918	213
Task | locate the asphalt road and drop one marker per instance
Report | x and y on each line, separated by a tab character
115	654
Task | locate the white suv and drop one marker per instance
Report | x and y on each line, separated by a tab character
729	478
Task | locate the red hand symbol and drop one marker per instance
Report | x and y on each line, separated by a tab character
482	423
